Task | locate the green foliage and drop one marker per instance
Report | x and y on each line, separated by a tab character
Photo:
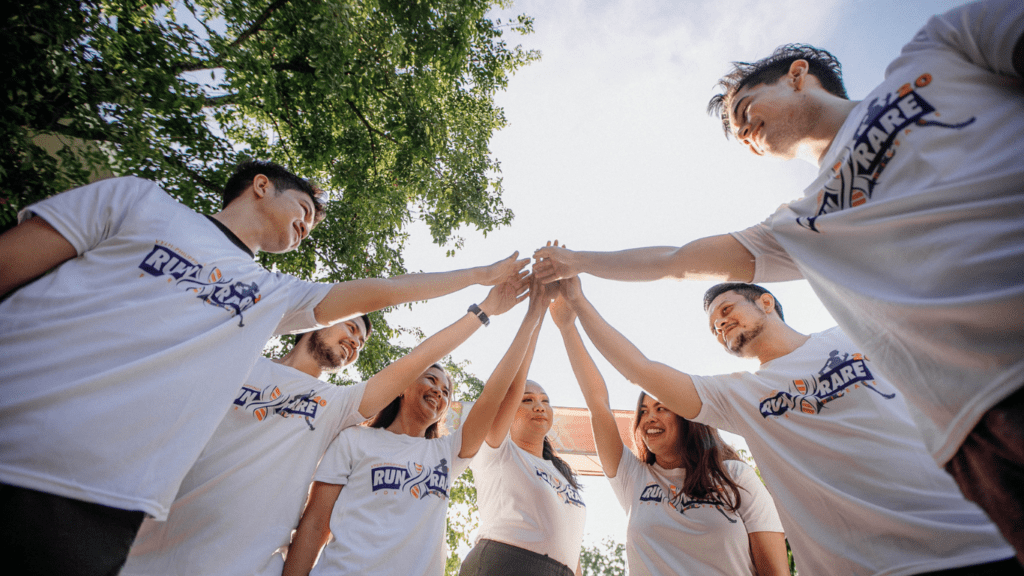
388	104
607	558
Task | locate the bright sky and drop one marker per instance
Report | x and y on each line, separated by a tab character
609	147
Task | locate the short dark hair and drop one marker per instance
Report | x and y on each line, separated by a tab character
280	176
386	417
749	291
821	64
366	321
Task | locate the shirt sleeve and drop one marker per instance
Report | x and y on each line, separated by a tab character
983	33
348	398
757	507
714	405
87	216
339	459
625	480
771	261
303	298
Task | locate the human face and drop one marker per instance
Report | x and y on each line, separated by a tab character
736	322
339	345
534	416
659	429
289	216
773	119
429	395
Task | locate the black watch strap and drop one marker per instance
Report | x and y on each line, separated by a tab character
479	314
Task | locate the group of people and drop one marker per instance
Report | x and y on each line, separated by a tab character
141	432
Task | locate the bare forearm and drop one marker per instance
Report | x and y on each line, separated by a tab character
595	393
712	258
674	388
355	297
768	551
507	410
28	250
314	530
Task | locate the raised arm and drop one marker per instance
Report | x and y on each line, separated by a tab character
387	384
595	391
355	297
673	388
768	551
510	404
314	529
481	418
28	250
713	258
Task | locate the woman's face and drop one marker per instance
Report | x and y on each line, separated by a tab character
658	427
534	416
429	395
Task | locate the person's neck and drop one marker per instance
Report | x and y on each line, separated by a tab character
534	446
833	113
301	361
241	224
670	462
776	341
409	425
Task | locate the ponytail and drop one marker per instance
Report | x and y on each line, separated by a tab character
561	465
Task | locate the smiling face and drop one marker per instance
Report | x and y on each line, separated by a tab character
534	415
337	346
658	428
775	119
429	396
737	322
288	216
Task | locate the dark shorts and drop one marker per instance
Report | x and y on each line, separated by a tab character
490	558
989	468
46	534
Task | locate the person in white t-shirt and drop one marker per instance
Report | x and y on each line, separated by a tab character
531	513
381	490
855	487
152	317
912	234
243	496
692	506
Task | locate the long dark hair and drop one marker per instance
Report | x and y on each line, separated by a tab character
704	454
387	415
561	465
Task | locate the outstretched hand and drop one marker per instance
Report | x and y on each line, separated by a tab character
541	295
503	269
504	296
554	262
571	290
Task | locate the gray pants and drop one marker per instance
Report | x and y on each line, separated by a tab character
490	558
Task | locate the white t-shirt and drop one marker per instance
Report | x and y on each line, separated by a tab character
913	233
668	537
389	517
855	487
526	502
242	498
118	366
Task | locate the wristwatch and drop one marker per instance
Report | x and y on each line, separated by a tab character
479	314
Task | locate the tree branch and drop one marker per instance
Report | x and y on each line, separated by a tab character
223	100
256	26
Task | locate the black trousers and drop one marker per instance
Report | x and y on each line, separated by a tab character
490	558
46	535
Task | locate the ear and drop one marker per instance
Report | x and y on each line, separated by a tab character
798	71
767	303
260	185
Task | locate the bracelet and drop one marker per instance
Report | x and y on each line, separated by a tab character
479	314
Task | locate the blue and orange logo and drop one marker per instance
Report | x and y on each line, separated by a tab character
413	478
810	395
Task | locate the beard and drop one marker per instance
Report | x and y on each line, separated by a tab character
744	338
327	359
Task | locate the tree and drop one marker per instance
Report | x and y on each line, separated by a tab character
607	558
388	104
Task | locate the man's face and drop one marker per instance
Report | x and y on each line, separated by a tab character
772	119
337	346
736	322
289	216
